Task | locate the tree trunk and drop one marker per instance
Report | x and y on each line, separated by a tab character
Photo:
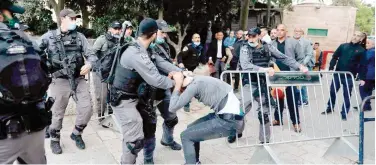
85	16
57	6
268	14
177	46
244	14
160	10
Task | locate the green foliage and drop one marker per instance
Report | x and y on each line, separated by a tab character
36	16
365	18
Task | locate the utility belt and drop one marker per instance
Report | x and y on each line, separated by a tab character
228	116
26	118
59	75
117	95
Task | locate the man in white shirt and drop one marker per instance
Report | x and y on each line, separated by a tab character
217	54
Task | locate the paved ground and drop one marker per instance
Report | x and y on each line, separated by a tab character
104	145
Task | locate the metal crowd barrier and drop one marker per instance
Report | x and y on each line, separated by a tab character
101	114
315	122
362	120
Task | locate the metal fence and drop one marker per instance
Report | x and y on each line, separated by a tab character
102	110
277	96
362	120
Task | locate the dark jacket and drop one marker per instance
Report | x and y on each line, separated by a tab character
367	65
191	56
347	58
236	52
212	51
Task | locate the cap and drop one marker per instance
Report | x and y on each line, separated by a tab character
116	24
11	7
147	25
127	24
69	13
254	31
162	24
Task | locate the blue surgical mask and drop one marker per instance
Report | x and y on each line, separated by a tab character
197	43
72	26
159	40
253	44
116	35
152	45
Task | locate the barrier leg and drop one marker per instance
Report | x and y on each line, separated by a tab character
264	155
342	147
111	123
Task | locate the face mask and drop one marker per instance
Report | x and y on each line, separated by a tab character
253	44
116	35
196	43
159	40
72	26
152	45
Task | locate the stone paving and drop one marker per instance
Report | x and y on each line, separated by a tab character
104	145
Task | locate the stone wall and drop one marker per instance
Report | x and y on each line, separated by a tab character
339	20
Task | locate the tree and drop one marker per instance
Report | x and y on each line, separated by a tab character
57	5
36	16
244	14
81	5
365	17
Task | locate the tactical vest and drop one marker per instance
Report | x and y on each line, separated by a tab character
260	57
23	76
126	80
165	53
66	46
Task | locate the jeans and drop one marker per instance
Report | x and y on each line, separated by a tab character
219	68
304	91
346	81
292	106
205	128
365	91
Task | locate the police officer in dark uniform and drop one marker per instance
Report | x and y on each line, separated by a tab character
160	48
191	56
257	55
101	46
71	58
24	80
129	93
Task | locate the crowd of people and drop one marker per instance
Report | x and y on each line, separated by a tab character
143	77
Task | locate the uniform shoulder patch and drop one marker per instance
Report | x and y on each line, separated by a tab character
244	49
145	57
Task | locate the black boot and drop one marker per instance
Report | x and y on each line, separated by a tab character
55	142
174	145
79	142
47	135
232	139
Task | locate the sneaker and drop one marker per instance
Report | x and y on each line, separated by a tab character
55	147
328	111
149	161
174	145
297	128
79	142
232	139
305	103
276	123
186	109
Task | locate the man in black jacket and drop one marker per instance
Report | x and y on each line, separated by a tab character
190	57
192	54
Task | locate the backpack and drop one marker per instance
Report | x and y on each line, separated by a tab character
107	62
24	77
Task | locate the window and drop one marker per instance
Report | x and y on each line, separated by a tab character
317	32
